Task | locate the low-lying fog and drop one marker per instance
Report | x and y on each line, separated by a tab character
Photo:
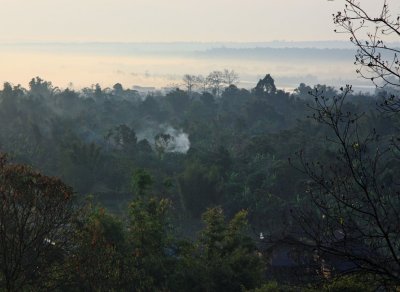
80	65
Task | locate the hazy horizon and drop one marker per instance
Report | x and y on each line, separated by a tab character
155	42
163	64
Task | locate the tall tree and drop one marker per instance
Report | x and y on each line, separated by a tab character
356	209
230	77
229	253
216	82
191	82
36	212
265	86
150	235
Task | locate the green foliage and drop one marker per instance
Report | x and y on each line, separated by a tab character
178	100
103	141
229	253
141	182
149	223
99	258
151	241
83	166
90	138
124	137
200	187
269	287
105	253
351	284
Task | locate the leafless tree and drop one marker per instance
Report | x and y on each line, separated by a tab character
230	77
377	56
203	83
377	59
355	213
190	82
216	81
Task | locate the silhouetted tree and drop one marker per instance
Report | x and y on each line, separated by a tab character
356	210
39	87
215	81
377	60
118	89
303	91
36	213
230	77
191	82
179	100
265	86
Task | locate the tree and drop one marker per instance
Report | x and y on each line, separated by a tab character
84	165
97	91
200	187
356	208
141	182
376	60
118	89
215	81
150	236
36	212
265	86
9	100
303	91
229	253
356	196
39	87
150	107
231	91
124	137
203	83
99	259
191	82
230	77
7	91
179	100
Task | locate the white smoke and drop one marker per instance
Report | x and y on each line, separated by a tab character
180	142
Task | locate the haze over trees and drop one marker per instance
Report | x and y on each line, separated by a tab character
206	187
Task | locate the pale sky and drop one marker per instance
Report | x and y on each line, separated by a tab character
170	20
44	21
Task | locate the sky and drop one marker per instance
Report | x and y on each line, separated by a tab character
215	22
170	20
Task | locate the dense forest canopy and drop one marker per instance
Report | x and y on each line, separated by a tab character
222	147
206	186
